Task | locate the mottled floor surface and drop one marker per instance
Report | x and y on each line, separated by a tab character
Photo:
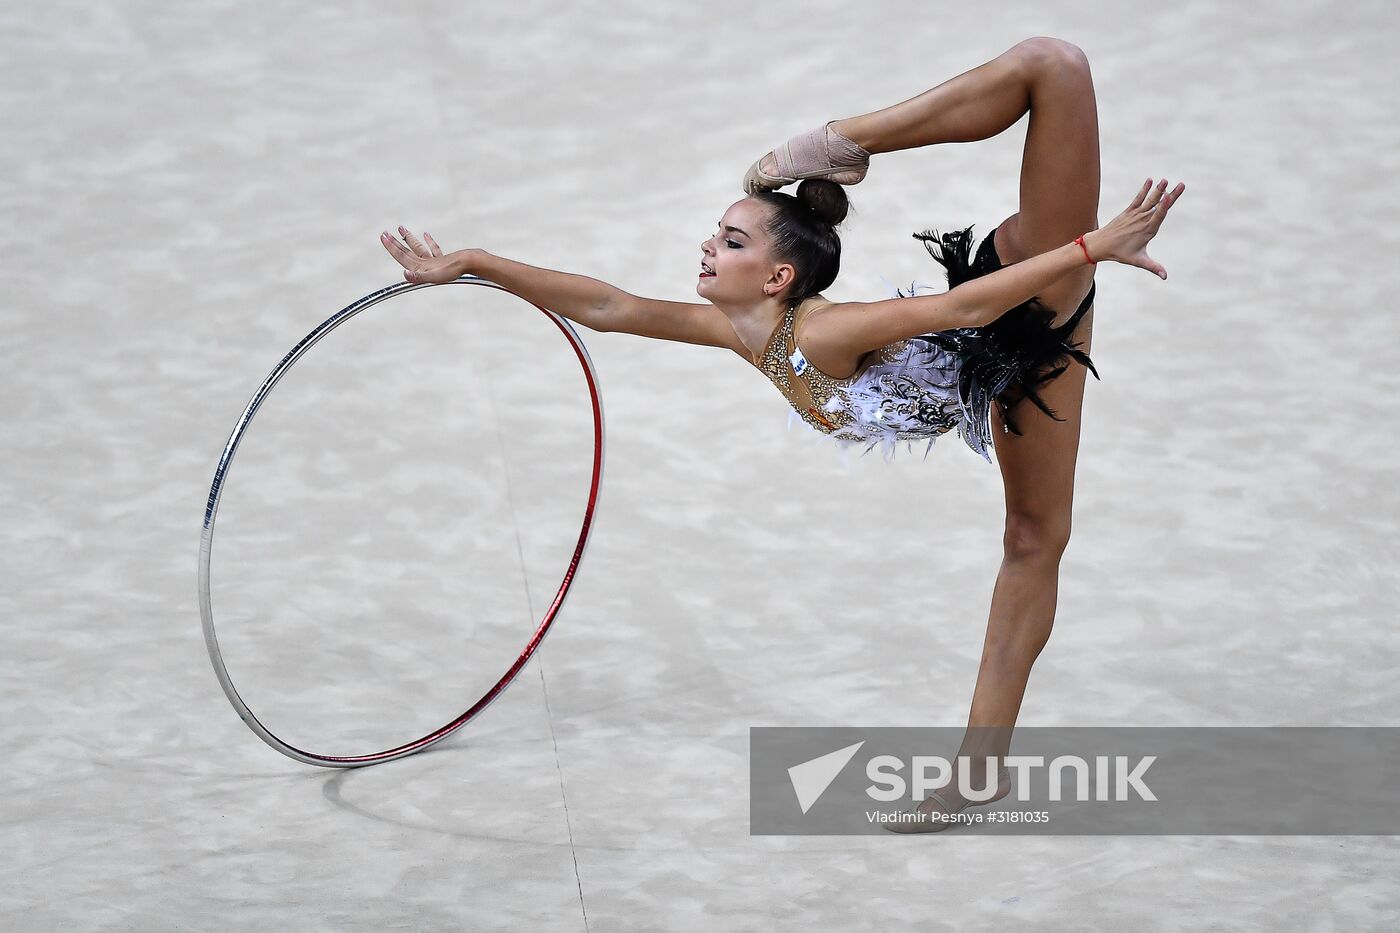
190	189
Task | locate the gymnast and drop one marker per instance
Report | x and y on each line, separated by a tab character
913	366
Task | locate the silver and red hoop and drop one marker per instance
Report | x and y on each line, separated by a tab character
211	639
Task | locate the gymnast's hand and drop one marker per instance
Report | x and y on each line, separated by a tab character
422	262
1124	238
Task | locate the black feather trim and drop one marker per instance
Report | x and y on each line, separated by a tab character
1007	360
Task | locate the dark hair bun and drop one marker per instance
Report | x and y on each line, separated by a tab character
825	197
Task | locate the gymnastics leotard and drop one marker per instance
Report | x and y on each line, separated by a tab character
925	386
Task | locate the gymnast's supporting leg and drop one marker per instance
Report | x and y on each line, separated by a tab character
1038	474
1059	200
1059	191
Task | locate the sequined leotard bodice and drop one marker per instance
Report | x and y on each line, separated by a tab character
809	390
906	391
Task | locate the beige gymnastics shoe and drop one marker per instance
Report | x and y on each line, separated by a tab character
818	153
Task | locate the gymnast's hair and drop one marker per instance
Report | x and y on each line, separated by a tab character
802	231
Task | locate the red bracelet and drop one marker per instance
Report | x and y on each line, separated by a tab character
1080	240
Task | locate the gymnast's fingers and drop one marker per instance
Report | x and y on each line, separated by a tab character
437	250
401	255
1142	193
1165	205
1172	196
415	244
389	244
1155	196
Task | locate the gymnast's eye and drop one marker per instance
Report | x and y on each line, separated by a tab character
733	245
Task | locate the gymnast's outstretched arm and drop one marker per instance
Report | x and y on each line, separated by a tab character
864	326
579	298
584	300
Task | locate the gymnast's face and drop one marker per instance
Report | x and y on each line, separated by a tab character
738	256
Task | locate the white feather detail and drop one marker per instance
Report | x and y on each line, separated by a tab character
913	396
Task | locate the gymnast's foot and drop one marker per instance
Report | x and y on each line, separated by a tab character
823	152
939	811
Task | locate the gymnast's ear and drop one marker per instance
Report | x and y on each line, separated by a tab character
784	273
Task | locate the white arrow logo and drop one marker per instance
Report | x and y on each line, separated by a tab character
811	778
